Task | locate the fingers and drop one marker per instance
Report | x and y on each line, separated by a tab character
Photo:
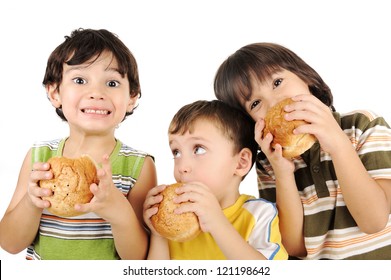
192	192
100	191
313	111
36	194
305	103
84	208
148	213
153	196
41	171
151	200
150	203
156	190
258	130
104	173
42	166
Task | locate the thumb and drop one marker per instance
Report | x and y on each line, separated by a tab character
84	208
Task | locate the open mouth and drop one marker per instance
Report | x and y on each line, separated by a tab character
96	112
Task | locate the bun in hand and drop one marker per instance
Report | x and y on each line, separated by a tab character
176	227
70	184
292	145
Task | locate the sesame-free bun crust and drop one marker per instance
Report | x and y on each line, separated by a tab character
70	184
176	227
282	131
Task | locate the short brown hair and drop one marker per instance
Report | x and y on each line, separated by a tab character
233	123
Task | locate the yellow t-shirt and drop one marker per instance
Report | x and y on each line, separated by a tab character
257	222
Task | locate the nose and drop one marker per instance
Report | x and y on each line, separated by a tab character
183	167
96	92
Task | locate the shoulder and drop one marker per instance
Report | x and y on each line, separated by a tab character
369	115
361	120
260	207
129	161
126	151
43	150
52	144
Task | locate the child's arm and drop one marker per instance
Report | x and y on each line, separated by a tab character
231	243
20	223
130	237
368	200
212	219
158	249
288	201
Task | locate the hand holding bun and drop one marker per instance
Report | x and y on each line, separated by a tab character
282	131
70	184
176	227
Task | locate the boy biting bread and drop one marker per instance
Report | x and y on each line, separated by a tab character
214	149
334	195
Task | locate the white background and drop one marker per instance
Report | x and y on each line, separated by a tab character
179	46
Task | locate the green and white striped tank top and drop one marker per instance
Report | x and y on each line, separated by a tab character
86	236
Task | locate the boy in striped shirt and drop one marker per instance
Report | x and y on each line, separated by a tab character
92	82
334	200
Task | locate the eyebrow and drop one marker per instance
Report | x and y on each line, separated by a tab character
193	138
84	66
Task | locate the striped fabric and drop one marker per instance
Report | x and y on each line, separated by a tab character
86	236
330	231
256	220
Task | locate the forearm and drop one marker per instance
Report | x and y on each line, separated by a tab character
232	244
19	226
130	237
158	248
363	196
291	215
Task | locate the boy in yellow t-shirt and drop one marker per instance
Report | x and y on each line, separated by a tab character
214	148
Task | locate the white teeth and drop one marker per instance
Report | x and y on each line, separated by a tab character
99	112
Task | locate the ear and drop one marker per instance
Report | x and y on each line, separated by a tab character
53	95
132	103
244	162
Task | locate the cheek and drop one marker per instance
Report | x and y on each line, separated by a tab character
216	170
256	115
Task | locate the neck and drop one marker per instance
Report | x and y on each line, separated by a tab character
94	146
229	200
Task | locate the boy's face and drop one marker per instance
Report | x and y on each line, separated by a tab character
281	85
94	97
205	155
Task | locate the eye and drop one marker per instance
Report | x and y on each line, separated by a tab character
113	83
198	150
79	81
277	82
255	104
176	153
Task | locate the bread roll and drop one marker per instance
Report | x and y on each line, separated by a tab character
70	184
282	131
176	227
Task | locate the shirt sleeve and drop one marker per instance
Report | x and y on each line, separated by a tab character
370	134
265	235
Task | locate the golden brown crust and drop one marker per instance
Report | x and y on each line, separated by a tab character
282	131
70	184
176	227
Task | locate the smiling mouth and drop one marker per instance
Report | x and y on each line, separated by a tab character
97	112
